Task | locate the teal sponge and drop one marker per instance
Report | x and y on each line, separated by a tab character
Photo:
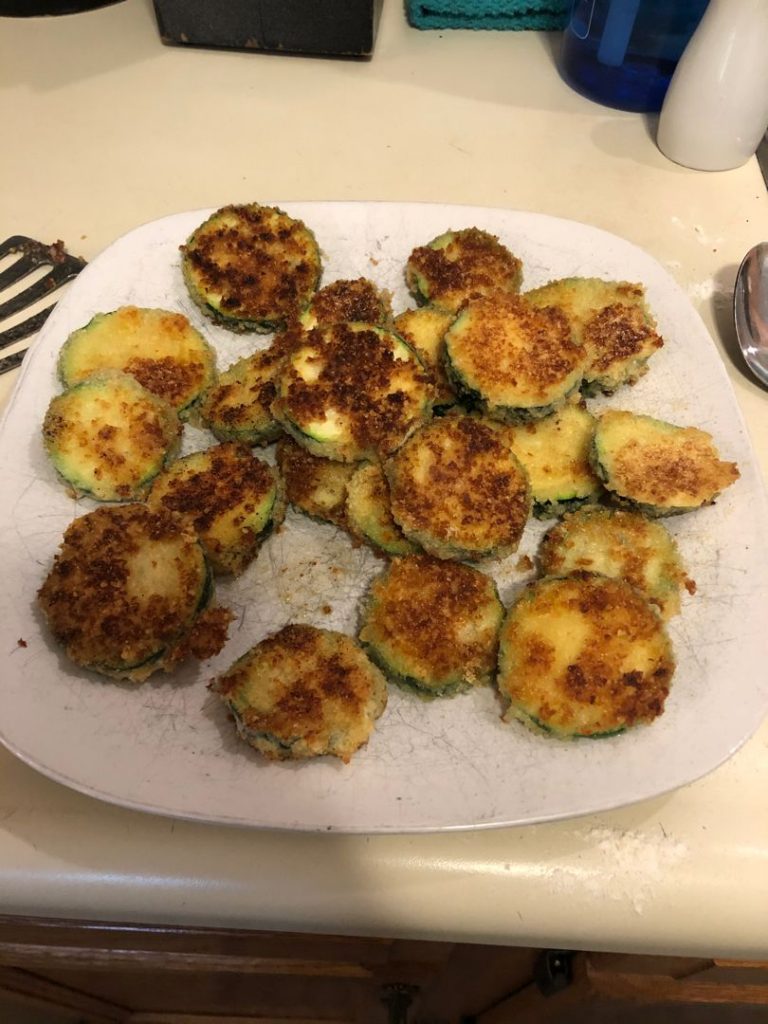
496	14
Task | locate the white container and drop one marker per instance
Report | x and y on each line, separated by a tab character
716	108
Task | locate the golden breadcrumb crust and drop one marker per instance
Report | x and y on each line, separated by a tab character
345	300
304	692
314	485
584	655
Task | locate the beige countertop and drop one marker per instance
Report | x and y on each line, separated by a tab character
105	128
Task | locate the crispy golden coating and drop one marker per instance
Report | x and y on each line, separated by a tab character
424	330
612	321
583	655
230	498
304	692
108	437
161	350
369	514
458	491
343	301
433	625
555	453
314	485
126	593
352	391
622	545
518	361
658	466
251	267
461	265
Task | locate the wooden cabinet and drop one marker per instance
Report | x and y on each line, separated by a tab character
95	973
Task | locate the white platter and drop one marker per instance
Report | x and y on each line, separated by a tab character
167	746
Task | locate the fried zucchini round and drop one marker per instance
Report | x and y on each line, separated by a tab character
304	692
583	656
315	486
515	361
108	437
555	454
238	406
612	320
231	499
656	467
461	265
369	514
458	491
433	626
424	329
251	267
162	350
347	300
352	391
128	593
620	544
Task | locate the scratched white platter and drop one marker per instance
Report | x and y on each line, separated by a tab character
168	747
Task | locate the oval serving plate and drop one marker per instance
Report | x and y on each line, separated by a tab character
167	747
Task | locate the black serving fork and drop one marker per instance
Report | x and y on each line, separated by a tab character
31	256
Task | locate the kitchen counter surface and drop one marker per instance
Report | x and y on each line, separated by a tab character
106	128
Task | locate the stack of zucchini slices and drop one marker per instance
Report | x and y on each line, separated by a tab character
430	436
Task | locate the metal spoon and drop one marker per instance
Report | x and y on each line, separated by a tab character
750	310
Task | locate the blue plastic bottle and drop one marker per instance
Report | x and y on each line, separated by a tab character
622	52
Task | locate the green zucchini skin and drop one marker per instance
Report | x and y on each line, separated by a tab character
369	513
458	491
583	656
460	265
304	692
130	593
613	322
555	452
251	268
160	349
513	361
352	391
657	468
108	437
620	544
432	626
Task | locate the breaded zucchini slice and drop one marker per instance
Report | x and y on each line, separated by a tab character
583	656
162	350
612	320
433	626
238	406
108	437
458	491
304	692
369	514
515	361
345	300
656	467
129	591
251	267
424	330
461	265
352	391
620	544
315	486
231	499
555	453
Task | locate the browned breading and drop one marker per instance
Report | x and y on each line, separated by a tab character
346	300
472	263
314	485
584	655
261	264
434	623
125	587
458	490
304	692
